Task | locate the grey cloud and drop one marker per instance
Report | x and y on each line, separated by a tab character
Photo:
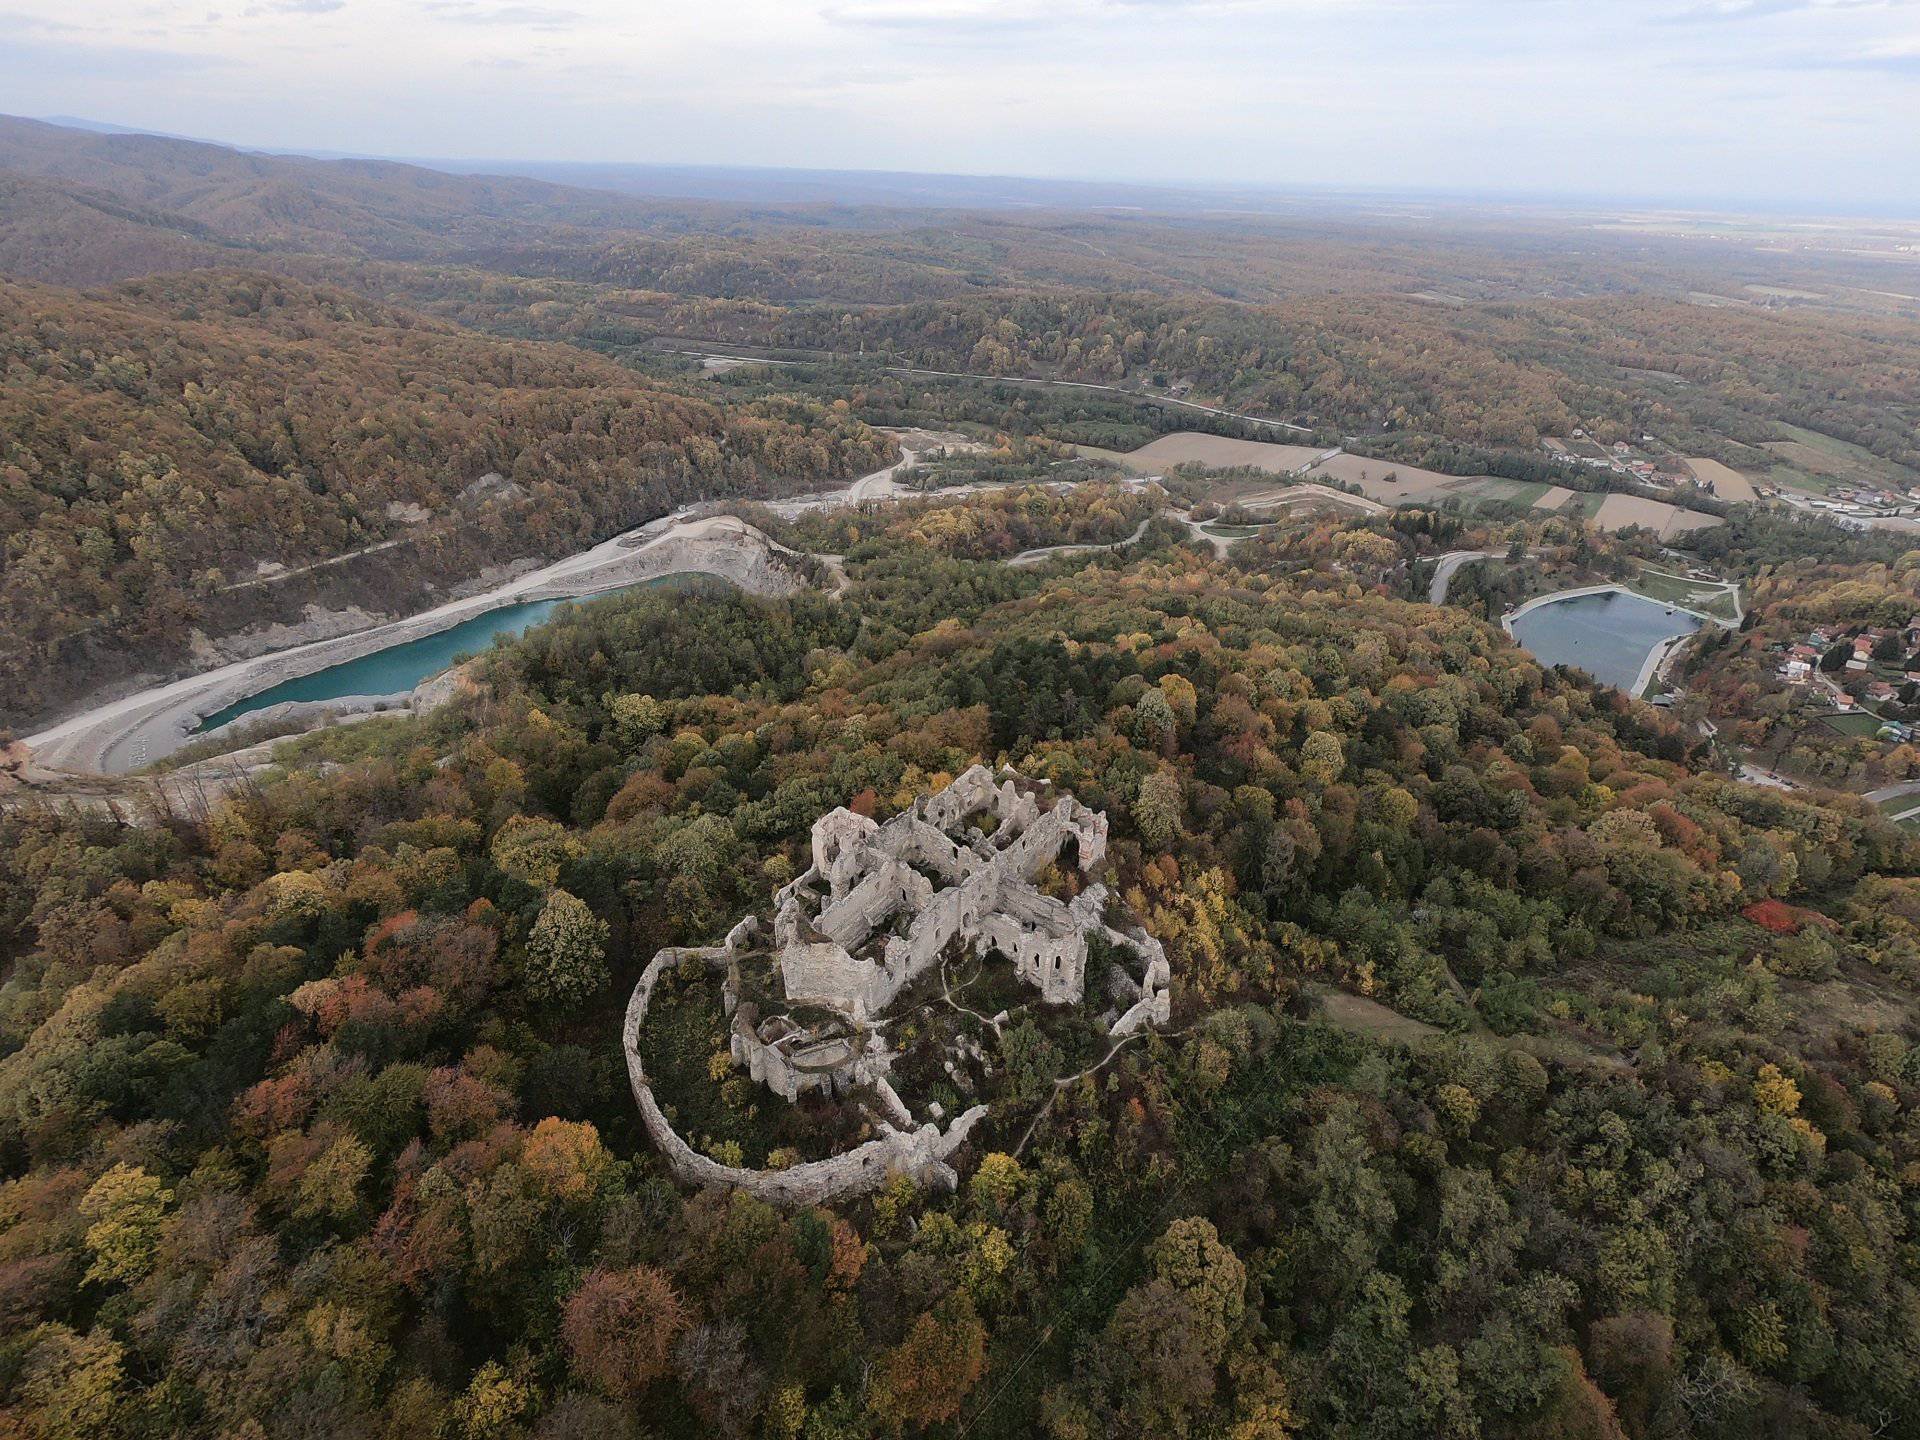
69	62
1736	10
292	7
524	17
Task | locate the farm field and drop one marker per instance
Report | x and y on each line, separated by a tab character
1409	482
1819	462
1727	483
1513	492
1391	484
1617	512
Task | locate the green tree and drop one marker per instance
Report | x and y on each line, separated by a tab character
127	1207
1153	723
1157	810
636	718
1322	758
566	951
71	1382
532	850
330	1186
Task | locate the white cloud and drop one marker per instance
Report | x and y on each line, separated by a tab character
1746	96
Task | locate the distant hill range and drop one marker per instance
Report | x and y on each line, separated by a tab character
82	206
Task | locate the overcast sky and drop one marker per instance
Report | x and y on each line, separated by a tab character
1809	101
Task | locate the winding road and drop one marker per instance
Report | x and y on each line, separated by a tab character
1450	562
1047	552
1144	396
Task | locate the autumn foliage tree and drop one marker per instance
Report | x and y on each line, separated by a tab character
620	1327
924	1379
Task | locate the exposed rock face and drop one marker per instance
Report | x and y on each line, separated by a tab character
132	724
318	623
722	545
489	487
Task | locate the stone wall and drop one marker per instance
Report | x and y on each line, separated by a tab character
837	833
984	876
990	901
892	887
791	1073
922	1155
910	838
823	973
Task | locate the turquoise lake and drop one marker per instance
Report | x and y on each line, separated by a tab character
401	667
1609	636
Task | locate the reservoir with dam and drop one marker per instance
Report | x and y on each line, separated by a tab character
1610	634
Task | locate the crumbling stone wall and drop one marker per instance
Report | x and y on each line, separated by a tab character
986	875
922	1154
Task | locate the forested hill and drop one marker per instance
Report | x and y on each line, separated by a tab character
160	442
313	1120
342	207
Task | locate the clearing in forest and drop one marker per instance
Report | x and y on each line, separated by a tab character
1818	462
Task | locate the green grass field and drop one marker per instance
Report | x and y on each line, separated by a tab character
1834	463
1672	589
1514	492
1856	722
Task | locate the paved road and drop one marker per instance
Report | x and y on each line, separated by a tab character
1450	562
1047	552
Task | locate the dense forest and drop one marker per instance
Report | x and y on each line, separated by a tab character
1529	1075
162	443
310	1126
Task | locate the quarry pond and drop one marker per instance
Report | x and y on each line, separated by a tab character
399	667
1612	635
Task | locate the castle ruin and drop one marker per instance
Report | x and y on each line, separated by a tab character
881	906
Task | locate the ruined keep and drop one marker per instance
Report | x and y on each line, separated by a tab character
882	903
881	906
